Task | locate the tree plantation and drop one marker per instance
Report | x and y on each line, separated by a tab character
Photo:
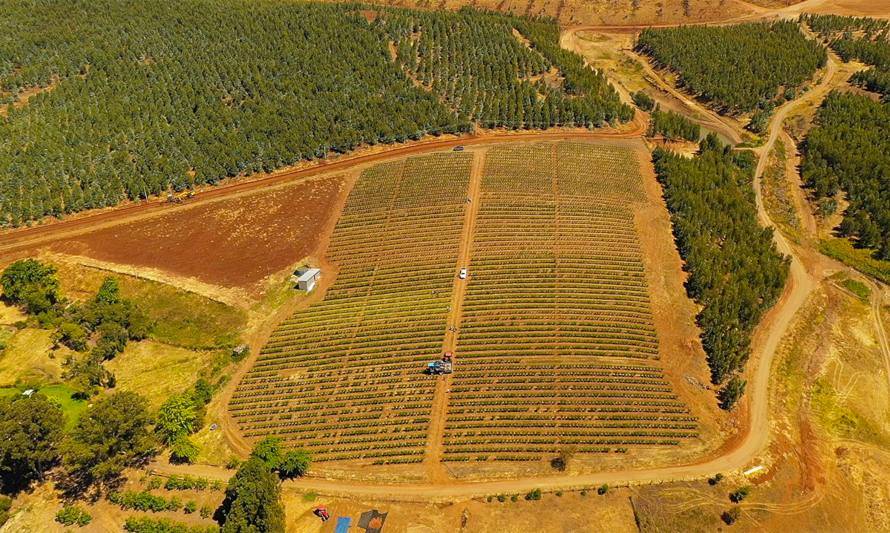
737	68
139	98
735	271
849	150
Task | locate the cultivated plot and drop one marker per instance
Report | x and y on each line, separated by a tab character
556	346
343	378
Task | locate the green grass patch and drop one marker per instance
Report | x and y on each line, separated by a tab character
309	496
860	259
60	394
858	288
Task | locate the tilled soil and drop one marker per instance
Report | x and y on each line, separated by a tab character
233	243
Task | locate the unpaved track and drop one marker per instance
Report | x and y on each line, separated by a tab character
433	456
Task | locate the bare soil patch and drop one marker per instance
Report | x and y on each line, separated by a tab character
233	243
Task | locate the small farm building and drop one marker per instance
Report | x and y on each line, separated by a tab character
306	278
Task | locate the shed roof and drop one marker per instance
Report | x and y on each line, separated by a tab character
309	274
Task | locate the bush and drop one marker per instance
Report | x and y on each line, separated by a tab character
715	480
514	498
72	515
643	101
731	516
5	504
602	489
144	501
534	495
502	498
187	483
739	494
144	524
190	507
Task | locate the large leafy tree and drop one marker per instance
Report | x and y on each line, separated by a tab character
30	435
32	284
253	500
110	436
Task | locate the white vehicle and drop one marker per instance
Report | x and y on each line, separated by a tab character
463	273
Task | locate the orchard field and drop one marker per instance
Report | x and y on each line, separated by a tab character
554	337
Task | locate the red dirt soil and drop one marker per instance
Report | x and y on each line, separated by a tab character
230	243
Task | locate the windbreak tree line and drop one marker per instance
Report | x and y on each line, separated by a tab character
736	273
147	97
738	68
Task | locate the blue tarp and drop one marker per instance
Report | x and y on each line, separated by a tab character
343	523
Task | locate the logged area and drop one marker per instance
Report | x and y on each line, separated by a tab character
556	346
555	340
154	97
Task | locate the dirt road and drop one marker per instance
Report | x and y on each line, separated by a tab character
433	457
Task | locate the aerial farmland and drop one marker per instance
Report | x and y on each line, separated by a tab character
326	267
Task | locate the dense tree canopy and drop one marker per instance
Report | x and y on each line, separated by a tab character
860	38
849	150
110	436
30	434
253	500
736	274
31	284
673	126
151	96
739	67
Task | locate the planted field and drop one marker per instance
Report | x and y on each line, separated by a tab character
555	343
343	378
557	346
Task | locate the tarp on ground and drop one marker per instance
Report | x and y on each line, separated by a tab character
343	523
372	521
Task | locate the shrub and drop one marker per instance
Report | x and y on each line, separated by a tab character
731	516
739	494
716	479
5	504
502	498
190	507
514	498
602	489
534	495
72	515
144	501
731	392
145	524
643	101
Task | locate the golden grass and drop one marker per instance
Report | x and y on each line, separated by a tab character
157	371
27	358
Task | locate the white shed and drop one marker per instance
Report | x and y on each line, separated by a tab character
306	278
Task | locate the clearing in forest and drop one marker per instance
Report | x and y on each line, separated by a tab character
555	340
